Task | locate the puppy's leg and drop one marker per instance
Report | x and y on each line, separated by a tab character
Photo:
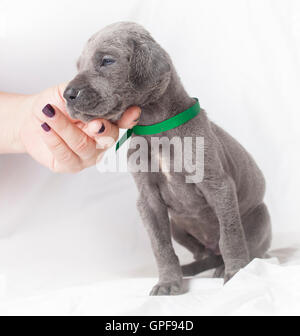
188	241
221	195
205	259
200	266
155	217
219	272
258	231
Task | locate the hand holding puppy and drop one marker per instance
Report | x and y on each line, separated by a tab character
43	129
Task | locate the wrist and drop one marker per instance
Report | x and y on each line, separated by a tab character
22	112
11	118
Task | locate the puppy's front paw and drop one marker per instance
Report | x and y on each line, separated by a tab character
229	275
167	288
233	266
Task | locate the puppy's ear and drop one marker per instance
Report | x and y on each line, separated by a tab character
149	64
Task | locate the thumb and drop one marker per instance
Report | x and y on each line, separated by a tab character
130	117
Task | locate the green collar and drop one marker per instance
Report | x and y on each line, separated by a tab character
163	126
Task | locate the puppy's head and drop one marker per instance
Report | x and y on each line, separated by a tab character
120	66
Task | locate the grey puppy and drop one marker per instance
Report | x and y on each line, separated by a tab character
222	220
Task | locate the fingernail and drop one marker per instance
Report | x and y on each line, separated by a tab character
102	129
46	127
49	111
136	120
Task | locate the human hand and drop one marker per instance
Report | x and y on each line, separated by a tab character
60	143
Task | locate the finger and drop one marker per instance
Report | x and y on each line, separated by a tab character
58	99
76	139
130	117
104	133
65	160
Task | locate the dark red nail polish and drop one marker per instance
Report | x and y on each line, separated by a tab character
102	129
49	111
46	127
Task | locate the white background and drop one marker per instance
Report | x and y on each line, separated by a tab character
239	57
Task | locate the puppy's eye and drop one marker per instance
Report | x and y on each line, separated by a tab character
107	61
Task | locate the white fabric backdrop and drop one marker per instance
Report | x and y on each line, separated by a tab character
241	58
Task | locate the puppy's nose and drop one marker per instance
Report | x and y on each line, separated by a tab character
71	94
